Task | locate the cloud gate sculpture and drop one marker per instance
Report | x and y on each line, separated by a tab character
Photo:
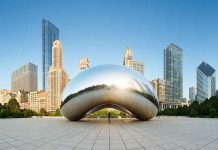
109	86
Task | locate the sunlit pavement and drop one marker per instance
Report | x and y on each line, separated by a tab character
159	133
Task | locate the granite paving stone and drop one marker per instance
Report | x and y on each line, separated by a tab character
160	133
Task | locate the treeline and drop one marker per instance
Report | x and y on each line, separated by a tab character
104	114
207	108
12	110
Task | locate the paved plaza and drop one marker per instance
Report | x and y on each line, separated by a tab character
159	133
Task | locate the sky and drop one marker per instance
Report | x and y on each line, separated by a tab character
102	29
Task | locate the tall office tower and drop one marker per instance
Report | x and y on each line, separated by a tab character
173	72
25	78
50	33
83	64
129	62
206	81
159	86
192	93
57	78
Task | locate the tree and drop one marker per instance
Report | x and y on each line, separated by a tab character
213	113
28	113
103	113
3	113
58	112
207	108
204	107
123	114
114	114
14	108
43	112
193	113
195	105
185	110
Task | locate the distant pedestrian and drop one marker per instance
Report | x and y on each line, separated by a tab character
109	117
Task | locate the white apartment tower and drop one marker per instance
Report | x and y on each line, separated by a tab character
57	78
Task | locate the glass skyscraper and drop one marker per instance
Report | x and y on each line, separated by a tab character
206	81
173	73
50	33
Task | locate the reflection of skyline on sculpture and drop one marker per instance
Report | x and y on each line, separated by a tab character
111	77
111	86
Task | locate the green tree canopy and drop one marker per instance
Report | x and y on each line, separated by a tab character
14	108
43	112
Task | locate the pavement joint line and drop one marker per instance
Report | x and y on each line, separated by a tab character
200	139
145	137
96	137
208	143
90	130
134	138
51	140
121	137
11	145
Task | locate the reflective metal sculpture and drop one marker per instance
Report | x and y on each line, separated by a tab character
109	86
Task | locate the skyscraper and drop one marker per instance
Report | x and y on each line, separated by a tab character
173	72
130	63
83	64
57	78
206	81
25	78
50	33
192	93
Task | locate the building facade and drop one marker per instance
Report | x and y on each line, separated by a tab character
42	99
130	63
23	96
206	81
50	33
83	64
159	86
57	78
170	104
173	72
192	93
25	78
5	96
37	100
33	100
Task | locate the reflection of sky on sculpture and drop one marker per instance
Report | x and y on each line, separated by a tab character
119	76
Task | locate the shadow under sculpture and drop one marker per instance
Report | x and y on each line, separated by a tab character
109	86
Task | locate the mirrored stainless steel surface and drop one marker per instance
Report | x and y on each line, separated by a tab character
109	86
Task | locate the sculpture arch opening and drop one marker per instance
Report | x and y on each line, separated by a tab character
114	107
109	86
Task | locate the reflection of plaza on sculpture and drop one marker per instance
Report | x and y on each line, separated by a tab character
109	86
